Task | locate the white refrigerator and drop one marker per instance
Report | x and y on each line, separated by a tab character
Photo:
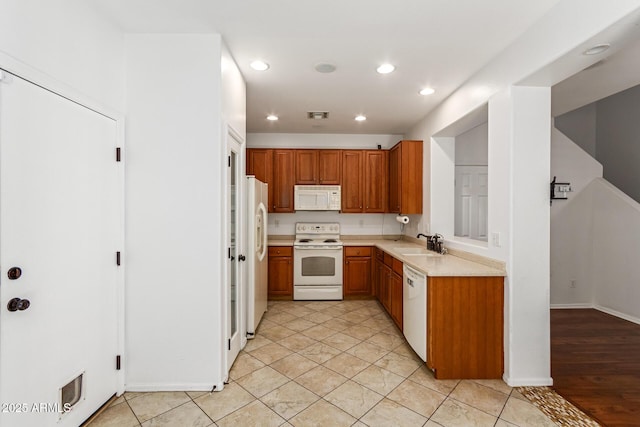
257	273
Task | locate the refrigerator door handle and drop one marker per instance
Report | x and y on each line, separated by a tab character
261	231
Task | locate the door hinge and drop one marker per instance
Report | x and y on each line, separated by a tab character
228	161
118	258
229	253
117	362
229	344
118	154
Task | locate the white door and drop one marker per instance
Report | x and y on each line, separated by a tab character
60	224
471	200
235	192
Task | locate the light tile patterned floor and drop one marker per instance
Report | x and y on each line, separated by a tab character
329	363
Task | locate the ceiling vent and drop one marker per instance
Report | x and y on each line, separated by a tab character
318	115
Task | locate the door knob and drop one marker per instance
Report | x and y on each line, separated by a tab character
18	304
14	273
242	257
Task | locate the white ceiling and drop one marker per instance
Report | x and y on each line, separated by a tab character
437	43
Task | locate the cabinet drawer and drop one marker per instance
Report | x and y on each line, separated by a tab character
357	251
397	266
280	251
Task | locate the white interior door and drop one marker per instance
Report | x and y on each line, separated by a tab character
60	223
471	199
235	297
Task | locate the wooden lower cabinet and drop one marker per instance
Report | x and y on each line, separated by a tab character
280	272
357	271
389	283
382	273
465	327
395	289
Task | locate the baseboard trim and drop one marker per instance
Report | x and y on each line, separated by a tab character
610	311
532	382
615	313
575	305
169	387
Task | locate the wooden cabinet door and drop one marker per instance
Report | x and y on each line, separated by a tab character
357	271
280	276
283	180
375	181
383	274
394	179
352	177
260	164
307	167
395	291
330	166
405	177
465	327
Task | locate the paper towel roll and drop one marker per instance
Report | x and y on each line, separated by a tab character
402	219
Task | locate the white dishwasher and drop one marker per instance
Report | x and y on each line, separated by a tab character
414	317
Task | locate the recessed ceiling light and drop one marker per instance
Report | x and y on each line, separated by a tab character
324	67
272	117
385	68
259	65
599	48
427	91
360	118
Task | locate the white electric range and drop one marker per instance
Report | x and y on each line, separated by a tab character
317	262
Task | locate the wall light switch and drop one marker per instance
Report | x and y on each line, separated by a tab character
495	239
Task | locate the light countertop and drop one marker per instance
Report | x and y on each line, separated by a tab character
453	264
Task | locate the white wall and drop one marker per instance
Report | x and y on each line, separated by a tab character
580	126
572	238
234	94
616	237
529	346
174	199
70	42
472	147
351	224
537	49
321	140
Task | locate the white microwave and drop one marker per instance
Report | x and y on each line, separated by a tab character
317	198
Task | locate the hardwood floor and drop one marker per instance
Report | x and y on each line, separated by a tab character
595	364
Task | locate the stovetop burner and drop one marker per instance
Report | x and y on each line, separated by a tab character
330	241
304	240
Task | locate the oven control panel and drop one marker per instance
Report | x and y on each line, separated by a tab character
317	228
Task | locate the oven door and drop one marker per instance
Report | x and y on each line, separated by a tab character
317	266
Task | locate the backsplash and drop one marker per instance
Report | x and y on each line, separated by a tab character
350	224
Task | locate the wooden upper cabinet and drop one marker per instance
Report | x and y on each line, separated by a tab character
283	180
306	167
260	164
352	180
376	187
405	177
318	167
330	166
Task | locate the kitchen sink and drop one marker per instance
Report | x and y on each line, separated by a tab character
415	252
